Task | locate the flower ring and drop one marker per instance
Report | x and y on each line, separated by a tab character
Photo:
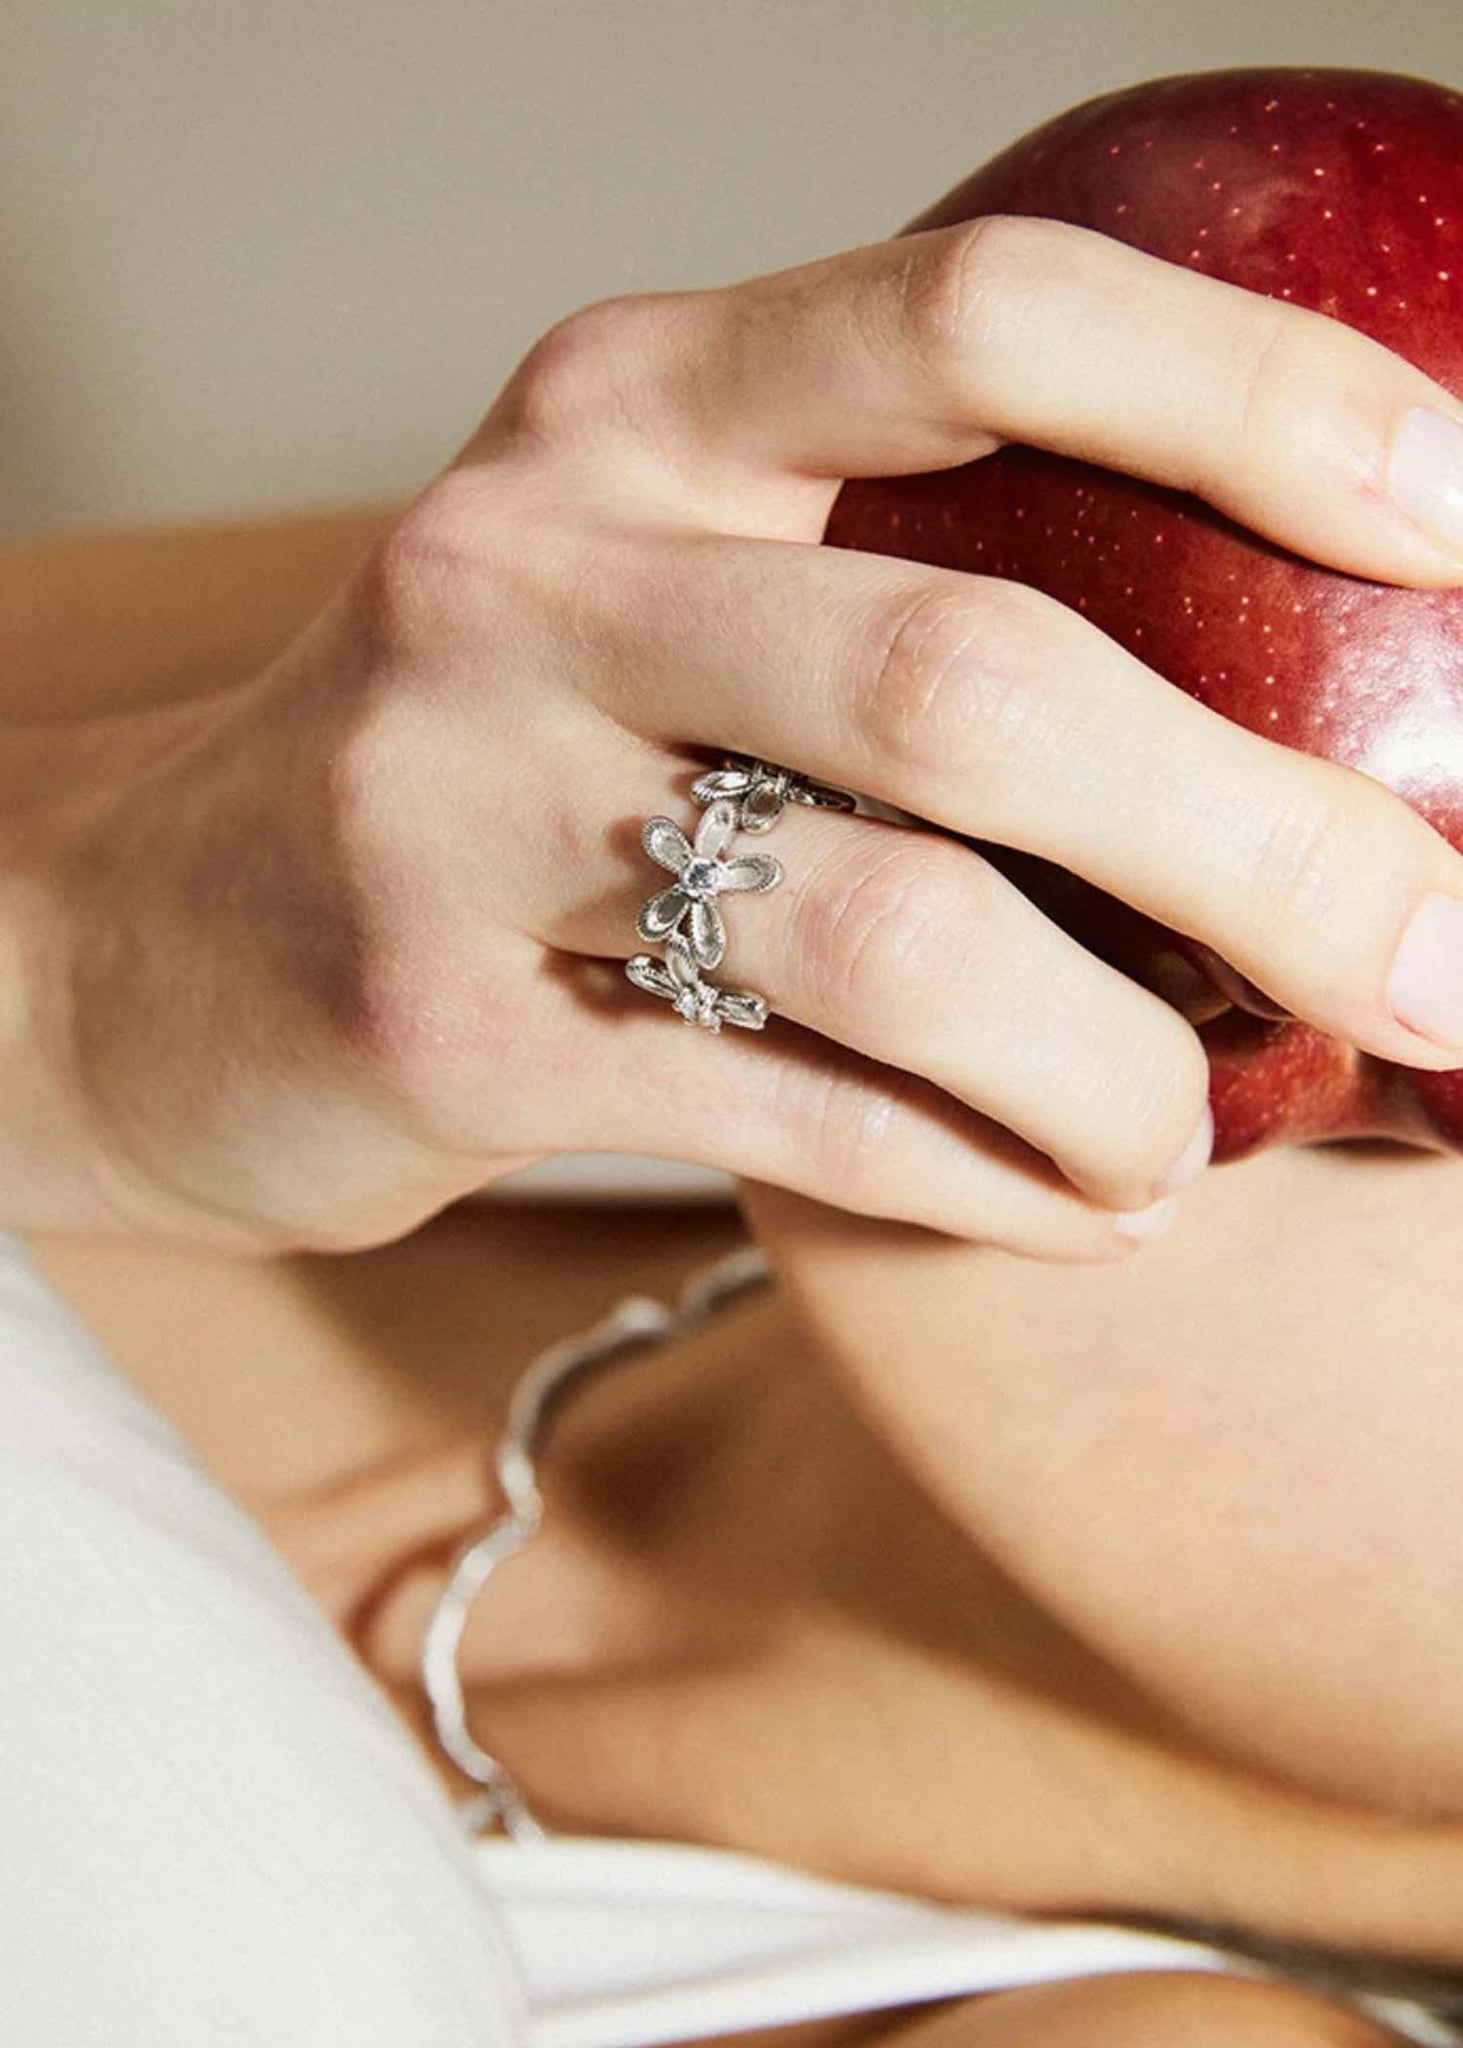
702	874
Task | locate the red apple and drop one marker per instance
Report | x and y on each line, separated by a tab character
1337	190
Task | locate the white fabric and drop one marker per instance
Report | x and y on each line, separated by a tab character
630	1944
625	1944
213	1831
215	1834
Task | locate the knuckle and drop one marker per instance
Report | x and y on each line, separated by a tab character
845	1128
1263	374
1134	1086
1292	359
424	561
425	994
959	283
423	1027
1303	868
377	1015
1160	1080
376	1030
579	378
392	1004
372	756
954	685
371	1006
475	563
871	934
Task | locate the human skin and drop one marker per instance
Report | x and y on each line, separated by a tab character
747	1598
349	1401
378	1362
296	961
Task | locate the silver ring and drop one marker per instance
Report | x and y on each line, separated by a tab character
740	796
761	788
685	917
677	980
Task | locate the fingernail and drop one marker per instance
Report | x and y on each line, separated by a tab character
1426	989
1425	474
1192	1160
1142	1224
1185	987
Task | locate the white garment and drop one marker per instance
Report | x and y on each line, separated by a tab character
626	1944
214	1833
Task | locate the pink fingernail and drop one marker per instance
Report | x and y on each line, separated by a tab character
1142	1224
1425	474
1192	1160
1426	989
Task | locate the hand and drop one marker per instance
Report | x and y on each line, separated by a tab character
350	947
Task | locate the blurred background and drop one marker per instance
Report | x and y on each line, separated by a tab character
270	253
260	253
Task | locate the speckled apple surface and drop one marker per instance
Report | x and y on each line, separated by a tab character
1341	191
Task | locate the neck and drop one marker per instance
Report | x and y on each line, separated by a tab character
741	1603
874	1532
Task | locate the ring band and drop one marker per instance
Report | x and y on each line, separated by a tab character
761	789
697	1001
685	918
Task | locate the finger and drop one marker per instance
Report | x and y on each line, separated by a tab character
791	1109
931	349
907	947
988	708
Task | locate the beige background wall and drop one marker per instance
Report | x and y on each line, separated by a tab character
259	252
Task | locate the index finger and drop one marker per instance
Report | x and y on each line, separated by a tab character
932	349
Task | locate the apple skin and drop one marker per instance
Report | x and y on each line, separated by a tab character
1337	190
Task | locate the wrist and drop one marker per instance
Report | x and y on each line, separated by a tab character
91	961
195	972
56	781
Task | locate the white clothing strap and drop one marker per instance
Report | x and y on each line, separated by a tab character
628	1944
